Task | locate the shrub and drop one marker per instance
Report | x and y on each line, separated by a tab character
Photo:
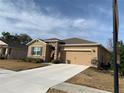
104	66
2	57
35	60
38	60
28	59
57	61
23	59
100	65
121	53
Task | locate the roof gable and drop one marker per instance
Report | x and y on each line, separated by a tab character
34	40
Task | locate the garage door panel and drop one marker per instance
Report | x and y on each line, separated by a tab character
78	57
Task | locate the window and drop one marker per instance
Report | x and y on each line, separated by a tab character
36	51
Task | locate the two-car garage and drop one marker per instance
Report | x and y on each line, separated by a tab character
79	55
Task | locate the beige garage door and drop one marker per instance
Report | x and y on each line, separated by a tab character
78	57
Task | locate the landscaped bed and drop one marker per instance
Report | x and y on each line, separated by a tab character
97	79
18	65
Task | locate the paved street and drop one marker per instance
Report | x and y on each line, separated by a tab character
38	80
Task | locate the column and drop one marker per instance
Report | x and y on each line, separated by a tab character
6	51
0	51
56	51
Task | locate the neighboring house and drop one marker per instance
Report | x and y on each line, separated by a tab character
71	51
12	50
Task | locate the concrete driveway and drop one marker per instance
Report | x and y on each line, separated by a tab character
38	80
4	72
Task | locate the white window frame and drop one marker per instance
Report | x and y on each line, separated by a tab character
35	51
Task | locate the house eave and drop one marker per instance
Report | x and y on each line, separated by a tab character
3	46
97	44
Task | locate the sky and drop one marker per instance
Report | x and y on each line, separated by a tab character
86	19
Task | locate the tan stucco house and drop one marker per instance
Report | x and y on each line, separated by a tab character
71	51
12	50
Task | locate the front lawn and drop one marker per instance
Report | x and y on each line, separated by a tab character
97	79
18	65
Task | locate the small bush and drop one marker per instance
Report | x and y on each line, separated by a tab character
105	66
35	60
27	59
57	61
100	65
23	59
38	60
30	59
2	57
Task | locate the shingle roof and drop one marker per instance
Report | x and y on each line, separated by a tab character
77	41
16	45
68	41
52	39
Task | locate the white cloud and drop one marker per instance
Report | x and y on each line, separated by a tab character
23	18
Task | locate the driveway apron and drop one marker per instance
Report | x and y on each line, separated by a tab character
38	80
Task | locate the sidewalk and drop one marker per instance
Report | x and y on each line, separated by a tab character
72	88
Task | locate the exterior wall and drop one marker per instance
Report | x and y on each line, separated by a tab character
79	54
48	51
17	53
104	55
37	44
55	44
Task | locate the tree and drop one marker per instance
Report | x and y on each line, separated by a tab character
121	65
110	44
17	38
24	38
6	36
120	52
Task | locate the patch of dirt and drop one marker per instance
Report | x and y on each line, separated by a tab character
17	65
100	79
